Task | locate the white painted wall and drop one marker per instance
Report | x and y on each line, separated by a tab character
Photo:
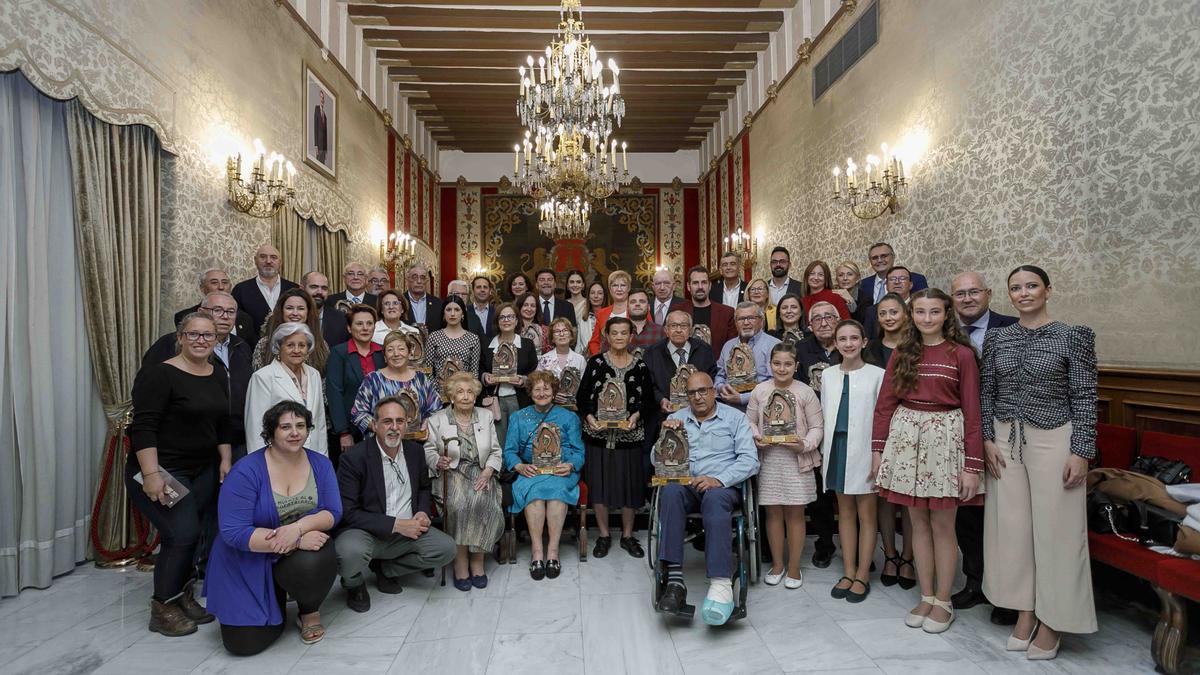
487	167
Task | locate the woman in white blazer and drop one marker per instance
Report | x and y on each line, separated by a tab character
463	447
848	393
287	378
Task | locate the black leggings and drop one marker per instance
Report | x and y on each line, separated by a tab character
181	526
307	576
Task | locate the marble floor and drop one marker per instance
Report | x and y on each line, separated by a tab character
596	618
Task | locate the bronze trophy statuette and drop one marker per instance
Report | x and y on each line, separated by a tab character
449	368
679	397
568	387
743	375
612	412
547	448
814	375
671	462
793	336
412	412
779	418
416	352
504	364
702	332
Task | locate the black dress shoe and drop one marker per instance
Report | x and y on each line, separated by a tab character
537	570
386	584
358	599
1002	616
673	598
631	545
968	598
602	546
553	569
822	559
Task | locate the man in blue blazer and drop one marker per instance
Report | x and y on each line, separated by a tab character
882	259
386	501
971	297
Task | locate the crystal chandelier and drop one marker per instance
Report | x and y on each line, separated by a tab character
876	193
268	188
565	219
569	115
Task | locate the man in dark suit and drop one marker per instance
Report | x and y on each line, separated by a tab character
354	276
386	501
971	297
730	289
320	128
257	296
718	317
481	313
899	281
664	300
215	280
423	307
231	354
882	259
552	307
664	357
781	283
331	319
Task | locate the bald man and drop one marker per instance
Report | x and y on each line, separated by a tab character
216	280
257	296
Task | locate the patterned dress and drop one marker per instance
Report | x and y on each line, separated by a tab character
377	386
614	467
442	347
473	517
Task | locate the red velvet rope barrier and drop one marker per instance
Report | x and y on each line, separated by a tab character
141	527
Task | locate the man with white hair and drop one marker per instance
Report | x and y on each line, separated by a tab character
214	280
423	307
378	280
812	357
257	296
664	301
459	289
358	291
748	317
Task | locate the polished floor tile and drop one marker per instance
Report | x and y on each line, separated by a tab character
596	618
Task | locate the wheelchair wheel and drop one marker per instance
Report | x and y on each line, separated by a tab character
753	543
652	531
741	573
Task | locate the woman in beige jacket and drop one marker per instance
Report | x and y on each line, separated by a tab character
463	445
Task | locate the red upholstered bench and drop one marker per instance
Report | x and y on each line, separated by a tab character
1173	579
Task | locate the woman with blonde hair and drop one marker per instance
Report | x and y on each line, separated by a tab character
464	446
847	280
619	285
758	293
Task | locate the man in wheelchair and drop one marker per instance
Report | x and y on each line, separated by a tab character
722	456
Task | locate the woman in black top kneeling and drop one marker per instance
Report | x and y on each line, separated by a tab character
181	430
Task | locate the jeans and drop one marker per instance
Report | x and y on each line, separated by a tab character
181	527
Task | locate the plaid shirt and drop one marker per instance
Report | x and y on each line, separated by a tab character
651	333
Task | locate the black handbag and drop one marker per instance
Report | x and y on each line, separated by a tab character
1166	471
1105	516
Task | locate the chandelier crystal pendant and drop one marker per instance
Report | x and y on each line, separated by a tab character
569	115
565	219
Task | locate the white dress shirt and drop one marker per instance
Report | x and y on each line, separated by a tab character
777	292
418	308
355	299
729	296
680	359
221	349
270	293
397	484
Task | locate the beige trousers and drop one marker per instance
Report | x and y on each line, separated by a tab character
1035	545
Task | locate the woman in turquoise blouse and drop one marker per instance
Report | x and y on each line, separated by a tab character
543	497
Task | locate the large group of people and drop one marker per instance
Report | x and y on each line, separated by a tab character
284	437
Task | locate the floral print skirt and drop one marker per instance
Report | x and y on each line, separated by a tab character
922	460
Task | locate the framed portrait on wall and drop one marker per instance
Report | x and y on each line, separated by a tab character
320	124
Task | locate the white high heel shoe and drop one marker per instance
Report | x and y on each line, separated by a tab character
1036	653
931	626
914	620
1016	644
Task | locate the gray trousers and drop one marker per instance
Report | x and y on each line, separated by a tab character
397	555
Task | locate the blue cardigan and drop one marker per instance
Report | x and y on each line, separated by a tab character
239	583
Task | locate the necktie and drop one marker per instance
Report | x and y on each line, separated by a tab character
660	316
680	359
546	312
879	289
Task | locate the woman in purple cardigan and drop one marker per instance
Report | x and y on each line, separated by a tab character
275	510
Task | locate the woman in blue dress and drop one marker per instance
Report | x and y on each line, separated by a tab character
543	497
399	374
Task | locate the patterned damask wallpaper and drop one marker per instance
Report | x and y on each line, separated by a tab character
1053	132
200	74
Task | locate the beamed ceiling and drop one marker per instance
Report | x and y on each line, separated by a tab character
455	62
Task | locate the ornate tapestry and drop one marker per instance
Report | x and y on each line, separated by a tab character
624	233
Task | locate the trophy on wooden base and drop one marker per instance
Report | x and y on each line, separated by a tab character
671	461
449	368
412	412
742	373
416	353
792	336
702	332
679	397
779	418
612	411
568	387
814	375
504	364
547	448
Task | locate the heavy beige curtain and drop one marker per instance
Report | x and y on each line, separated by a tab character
115	171
289	232
331	256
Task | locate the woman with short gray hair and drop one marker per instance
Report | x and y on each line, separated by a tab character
287	378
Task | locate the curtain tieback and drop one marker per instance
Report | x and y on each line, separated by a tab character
119	416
